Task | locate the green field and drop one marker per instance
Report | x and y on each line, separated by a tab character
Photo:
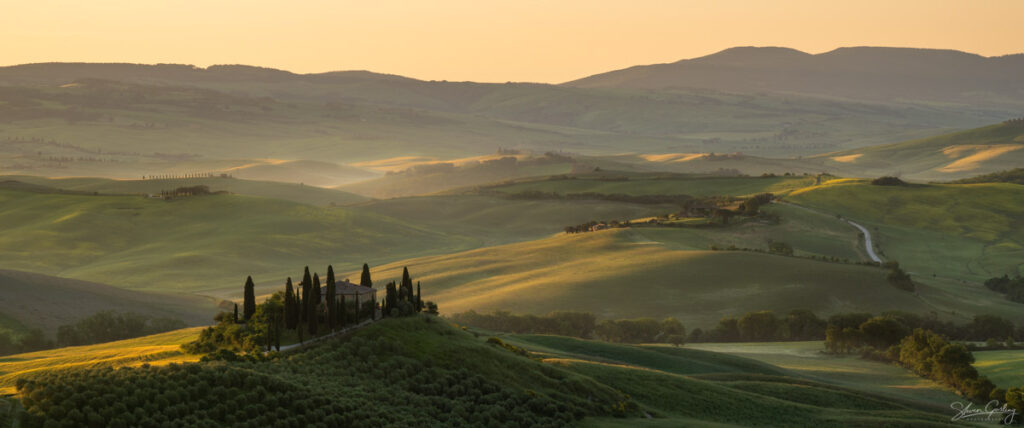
640	185
966	231
197	244
683	385
1004	368
29	300
209	244
810	233
806	360
623	274
494	220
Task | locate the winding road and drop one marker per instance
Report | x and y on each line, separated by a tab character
867	241
867	235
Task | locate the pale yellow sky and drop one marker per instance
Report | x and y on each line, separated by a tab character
484	40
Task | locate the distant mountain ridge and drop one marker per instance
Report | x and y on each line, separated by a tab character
874	73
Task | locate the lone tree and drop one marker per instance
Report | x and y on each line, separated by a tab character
365	280
419	300
291	314
332	311
249	305
307	287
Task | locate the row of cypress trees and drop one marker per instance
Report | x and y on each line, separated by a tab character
307	308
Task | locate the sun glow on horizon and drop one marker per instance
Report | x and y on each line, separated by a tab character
484	41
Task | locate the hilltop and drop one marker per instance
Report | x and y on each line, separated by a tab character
74	120
869	73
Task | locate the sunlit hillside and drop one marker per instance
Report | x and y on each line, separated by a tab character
157	349
960	231
596	272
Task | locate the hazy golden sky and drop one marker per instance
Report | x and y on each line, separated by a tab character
484	40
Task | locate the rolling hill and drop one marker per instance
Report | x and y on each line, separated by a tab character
945	157
200	243
624	274
874	73
963	232
46	302
209	244
298	193
126	120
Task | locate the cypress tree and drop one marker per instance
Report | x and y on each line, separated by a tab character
391	298
365	280
249	305
314	305
419	302
290	314
307	286
332	304
405	293
235	317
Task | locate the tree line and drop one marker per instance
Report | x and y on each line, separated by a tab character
103	326
308	309
579	324
850	332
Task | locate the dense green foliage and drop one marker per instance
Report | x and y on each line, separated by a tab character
28	341
933	356
888	181
408	372
1013	288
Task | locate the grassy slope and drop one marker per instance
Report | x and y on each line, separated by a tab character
210	243
494	220
196	244
47	302
810	233
406	184
268	189
682	386
621	274
1004	368
157	349
696	186
971	232
932	158
806	360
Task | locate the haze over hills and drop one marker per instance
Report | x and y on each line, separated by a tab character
130	120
